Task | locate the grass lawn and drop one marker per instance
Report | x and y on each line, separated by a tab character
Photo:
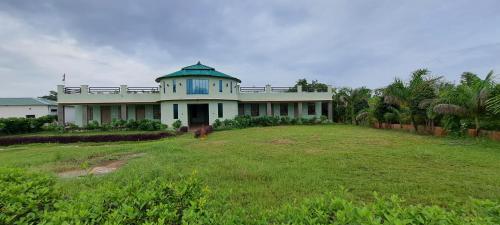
266	167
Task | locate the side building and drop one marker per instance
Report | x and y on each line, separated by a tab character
196	95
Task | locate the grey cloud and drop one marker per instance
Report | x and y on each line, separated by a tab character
345	43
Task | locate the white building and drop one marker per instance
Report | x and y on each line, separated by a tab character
26	107
195	95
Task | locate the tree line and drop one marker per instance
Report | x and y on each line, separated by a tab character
424	99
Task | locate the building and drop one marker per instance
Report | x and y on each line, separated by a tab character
27	107
195	95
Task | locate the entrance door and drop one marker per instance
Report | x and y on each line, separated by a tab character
105	115
198	115
140	112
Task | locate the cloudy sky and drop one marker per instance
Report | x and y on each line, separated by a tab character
343	43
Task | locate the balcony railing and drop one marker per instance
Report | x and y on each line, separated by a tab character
252	89
72	90
104	90
135	90
283	89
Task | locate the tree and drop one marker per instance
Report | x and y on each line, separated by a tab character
420	87
52	96
469	98
354	100
309	87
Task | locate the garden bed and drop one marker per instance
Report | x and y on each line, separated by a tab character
84	138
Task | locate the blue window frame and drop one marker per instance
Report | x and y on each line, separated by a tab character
176	111
197	86
174	86
220	85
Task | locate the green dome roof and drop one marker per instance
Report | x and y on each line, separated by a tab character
198	69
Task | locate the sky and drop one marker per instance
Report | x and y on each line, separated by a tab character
339	42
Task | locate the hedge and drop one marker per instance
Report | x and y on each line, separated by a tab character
83	138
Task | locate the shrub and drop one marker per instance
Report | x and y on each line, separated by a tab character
385	210
118	123
131	124
23	125
217	124
24	196
93	125
177	124
27	198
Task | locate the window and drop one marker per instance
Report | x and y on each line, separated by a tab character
30	116
176	111
254	109
284	109
174	86
311	108
220	110
220	85
197	86
231	87
164	87
53	110
241	109
156	112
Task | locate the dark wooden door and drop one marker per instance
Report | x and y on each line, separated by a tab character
105	115
140	112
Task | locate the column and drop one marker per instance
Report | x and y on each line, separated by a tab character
330	111
299	109
60	114
85	116
123	111
269	109
317	109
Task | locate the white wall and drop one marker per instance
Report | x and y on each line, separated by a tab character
69	114
230	110
22	111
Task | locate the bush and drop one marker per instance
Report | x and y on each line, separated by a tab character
93	125
27	198
177	124
23	125
24	196
339	210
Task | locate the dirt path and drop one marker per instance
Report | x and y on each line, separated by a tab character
100	169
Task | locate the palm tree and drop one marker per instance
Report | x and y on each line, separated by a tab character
493	104
409	95
469	98
351	97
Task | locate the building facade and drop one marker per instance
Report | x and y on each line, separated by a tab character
195	95
26	107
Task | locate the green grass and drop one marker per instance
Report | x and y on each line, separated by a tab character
265	167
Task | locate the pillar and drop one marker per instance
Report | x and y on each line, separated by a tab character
85	116
60	114
123	111
269	109
299	109
330	110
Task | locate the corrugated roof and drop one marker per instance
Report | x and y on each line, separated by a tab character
25	101
198	69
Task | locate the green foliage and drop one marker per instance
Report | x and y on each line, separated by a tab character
385	210
309	87
24	125
27	198
265	121
92	125
177	124
24	196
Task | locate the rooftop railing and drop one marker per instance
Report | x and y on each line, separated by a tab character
104	90
72	90
136	90
252	89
